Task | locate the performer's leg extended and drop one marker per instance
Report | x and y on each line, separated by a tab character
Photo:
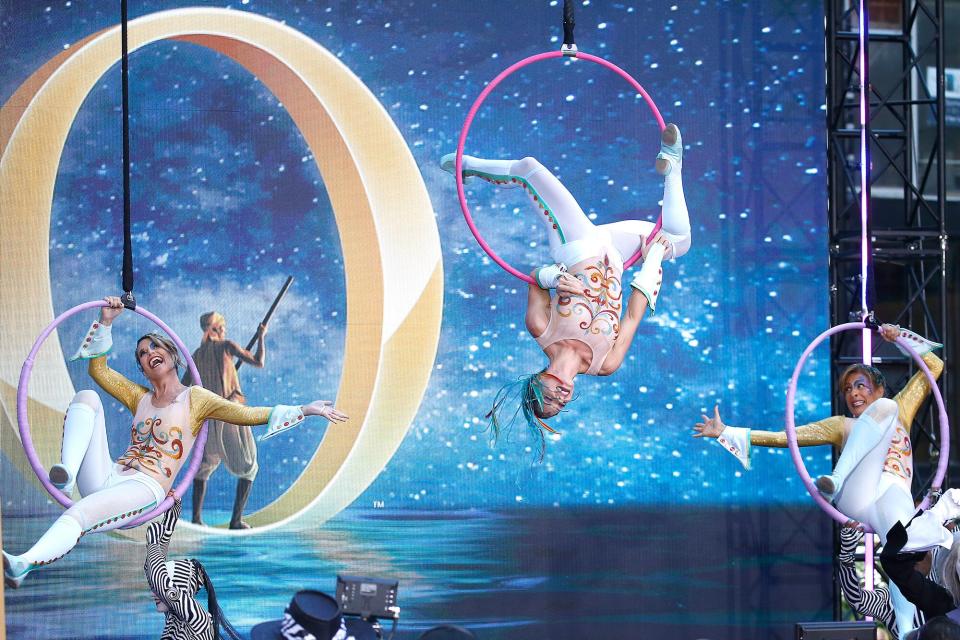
101	511
676	219
559	210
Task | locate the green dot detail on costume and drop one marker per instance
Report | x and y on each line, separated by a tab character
498	179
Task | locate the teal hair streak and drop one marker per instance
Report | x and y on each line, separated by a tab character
527	392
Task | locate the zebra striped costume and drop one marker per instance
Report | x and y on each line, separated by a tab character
174	585
874	603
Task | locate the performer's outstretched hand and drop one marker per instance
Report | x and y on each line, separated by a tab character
710	427
107	314
324	409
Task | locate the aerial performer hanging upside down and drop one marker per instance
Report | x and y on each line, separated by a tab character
166	420
871	480
580	329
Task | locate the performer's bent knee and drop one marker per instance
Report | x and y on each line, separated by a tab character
526	166
76	514
88	398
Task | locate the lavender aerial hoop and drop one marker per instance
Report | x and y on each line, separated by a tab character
792	431
24	424
458	171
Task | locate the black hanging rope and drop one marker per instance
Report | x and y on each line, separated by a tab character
128	299
569	45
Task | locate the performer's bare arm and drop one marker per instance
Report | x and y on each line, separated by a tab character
636	308
256	359
827	431
538	309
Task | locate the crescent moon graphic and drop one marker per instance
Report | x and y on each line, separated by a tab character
382	210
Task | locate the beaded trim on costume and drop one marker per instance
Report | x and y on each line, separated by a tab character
531	191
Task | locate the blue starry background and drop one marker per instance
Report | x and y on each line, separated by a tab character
608	528
227	201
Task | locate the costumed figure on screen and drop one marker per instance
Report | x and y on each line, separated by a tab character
233	445
582	328
167	417
871	480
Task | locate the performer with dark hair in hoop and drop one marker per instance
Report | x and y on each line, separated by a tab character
580	328
167	417
871	480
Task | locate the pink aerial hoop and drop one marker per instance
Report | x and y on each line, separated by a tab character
473	112
24	424
792	431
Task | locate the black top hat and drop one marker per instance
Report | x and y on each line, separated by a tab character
313	615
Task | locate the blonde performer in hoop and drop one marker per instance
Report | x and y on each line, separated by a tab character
167	417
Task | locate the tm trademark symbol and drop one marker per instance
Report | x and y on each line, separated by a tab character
378	504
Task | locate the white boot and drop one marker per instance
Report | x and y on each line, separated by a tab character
649	278
671	150
60	538
495	171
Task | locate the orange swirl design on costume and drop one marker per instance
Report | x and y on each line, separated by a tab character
149	447
602	302
900	455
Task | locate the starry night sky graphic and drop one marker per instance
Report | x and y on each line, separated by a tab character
227	201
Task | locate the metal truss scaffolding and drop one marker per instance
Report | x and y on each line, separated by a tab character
899	192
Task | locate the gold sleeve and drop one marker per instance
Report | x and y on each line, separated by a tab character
126	392
827	431
206	404
917	389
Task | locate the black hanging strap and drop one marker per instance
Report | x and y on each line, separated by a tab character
569	46
128	299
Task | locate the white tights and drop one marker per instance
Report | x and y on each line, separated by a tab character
109	498
878	498
565	220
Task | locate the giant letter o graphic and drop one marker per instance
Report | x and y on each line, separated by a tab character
390	242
